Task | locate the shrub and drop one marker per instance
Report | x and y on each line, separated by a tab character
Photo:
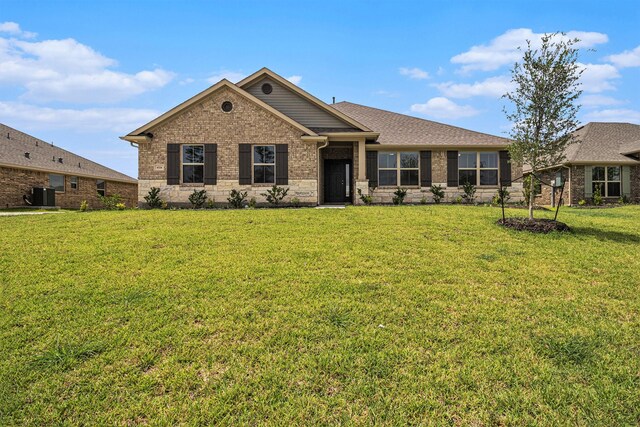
423	201
110	202
458	200
469	195
399	195
295	202
252	203
236	198
438	193
198	198
597	196
624	200
501	195
83	206
153	198
121	206
275	195
367	199
211	203
582	202
165	205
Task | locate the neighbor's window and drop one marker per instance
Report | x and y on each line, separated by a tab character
73	181
193	164
57	182
101	187
398	167
608	179
264	164
478	167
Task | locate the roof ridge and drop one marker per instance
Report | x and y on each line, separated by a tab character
424	120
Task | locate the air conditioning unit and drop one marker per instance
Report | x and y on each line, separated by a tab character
43	196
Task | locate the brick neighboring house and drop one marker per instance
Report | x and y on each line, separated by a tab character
606	155
27	162
265	130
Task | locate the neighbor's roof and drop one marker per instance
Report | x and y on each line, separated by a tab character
400	129
43	156
604	142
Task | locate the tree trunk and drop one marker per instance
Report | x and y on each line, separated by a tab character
532	196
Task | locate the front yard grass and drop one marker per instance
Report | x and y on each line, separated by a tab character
385	315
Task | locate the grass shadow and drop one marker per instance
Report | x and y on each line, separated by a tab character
615	236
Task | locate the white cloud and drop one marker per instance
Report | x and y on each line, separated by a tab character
614	115
120	120
503	49
597	77
493	87
295	80
599	101
444	108
414	73
628	58
69	71
186	81
386	93
232	76
13	29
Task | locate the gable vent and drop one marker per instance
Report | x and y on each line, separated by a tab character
267	88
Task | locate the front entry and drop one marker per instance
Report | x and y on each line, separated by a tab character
337	181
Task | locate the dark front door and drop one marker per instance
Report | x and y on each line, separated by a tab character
337	181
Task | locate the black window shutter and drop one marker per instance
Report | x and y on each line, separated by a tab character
244	168
210	164
505	168
372	168
425	169
173	164
452	168
282	164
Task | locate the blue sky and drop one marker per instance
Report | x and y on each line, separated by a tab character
81	74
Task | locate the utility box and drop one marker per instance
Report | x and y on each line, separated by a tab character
43	196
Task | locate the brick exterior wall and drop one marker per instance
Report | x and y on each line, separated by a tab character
635	184
15	183
247	123
439	177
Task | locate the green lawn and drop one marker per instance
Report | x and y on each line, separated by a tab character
385	315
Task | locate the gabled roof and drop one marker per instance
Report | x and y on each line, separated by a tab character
224	83
604	142
400	129
45	157
265	72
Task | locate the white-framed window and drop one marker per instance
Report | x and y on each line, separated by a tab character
73	182
101	187
478	167
608	179
193	164
57	182
400	168
264	164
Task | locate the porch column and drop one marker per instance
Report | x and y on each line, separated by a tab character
362	160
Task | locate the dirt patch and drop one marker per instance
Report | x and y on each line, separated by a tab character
535	225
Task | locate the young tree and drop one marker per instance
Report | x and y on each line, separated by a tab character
544	104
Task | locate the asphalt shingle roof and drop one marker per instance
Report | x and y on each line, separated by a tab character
45	157
400	129
604	142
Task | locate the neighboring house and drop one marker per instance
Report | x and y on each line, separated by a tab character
27	162
265	130
606	155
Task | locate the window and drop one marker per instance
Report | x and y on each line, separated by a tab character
101	187
607	178
193	164
57	182
400	167
73	181
264	164
478	168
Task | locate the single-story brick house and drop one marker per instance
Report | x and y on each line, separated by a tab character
605	155
27	162
264	130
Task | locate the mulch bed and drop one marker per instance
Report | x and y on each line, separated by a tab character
534	226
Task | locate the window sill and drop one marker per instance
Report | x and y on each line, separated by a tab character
394	187
262	184
191	185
